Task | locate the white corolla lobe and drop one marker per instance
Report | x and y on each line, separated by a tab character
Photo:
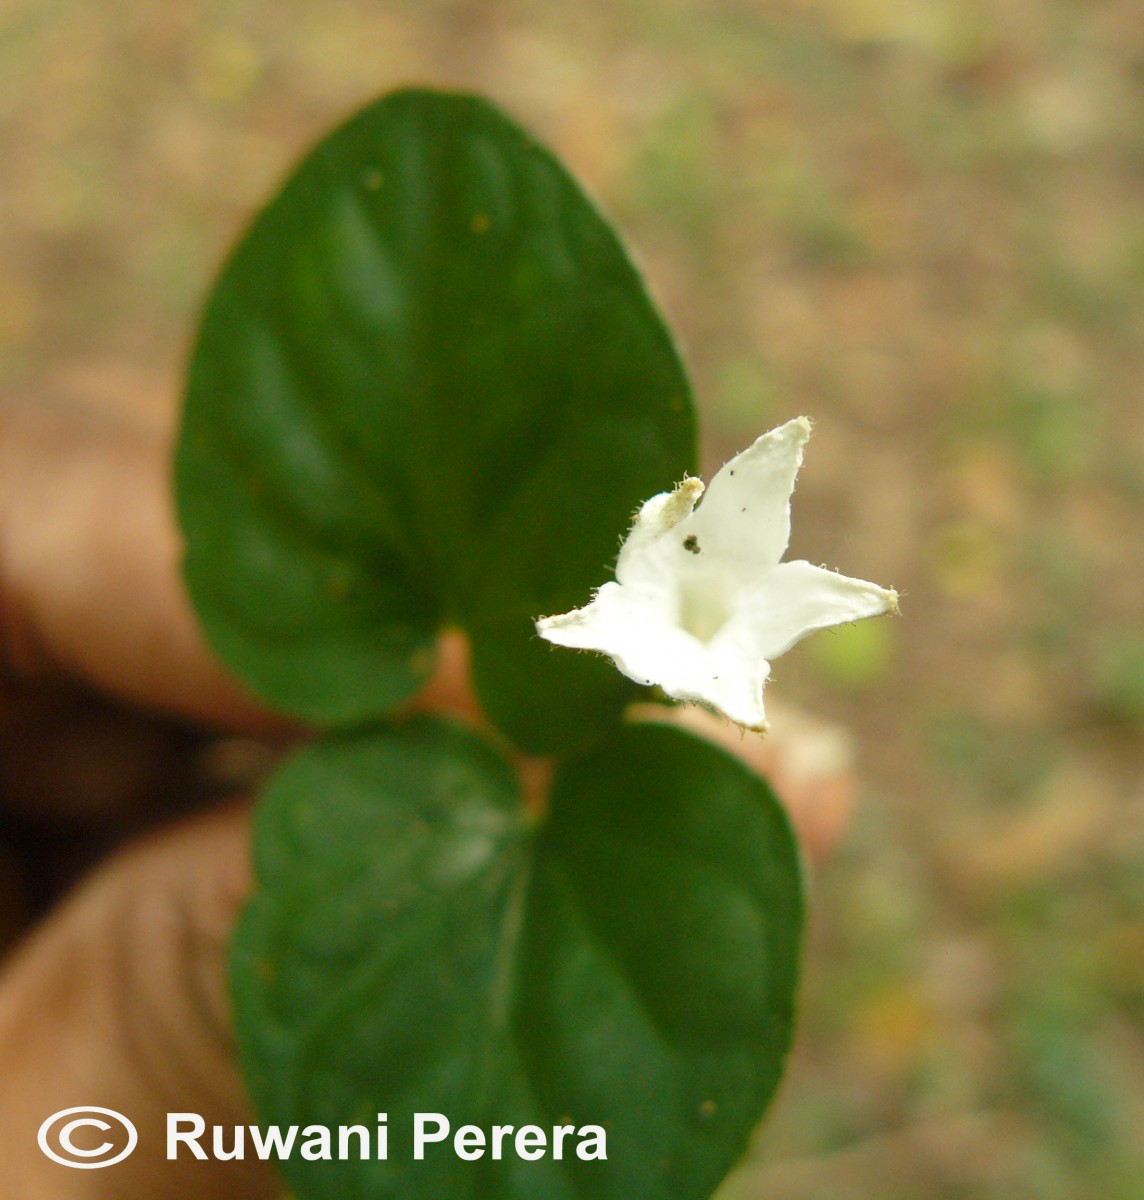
701	602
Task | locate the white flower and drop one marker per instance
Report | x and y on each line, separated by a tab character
701	602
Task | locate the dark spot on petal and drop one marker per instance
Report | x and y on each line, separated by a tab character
691	543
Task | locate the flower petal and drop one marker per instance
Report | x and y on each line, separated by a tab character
795	599
634	630
649	647
734	686
644	555
745	514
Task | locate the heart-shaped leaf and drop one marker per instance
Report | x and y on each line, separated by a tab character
418	945
429	389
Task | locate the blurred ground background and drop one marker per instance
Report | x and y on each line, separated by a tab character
919	222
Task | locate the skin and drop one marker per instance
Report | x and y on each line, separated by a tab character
117	997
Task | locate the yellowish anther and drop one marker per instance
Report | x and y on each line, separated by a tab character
681	501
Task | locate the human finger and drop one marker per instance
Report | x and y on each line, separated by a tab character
119	1000
89	580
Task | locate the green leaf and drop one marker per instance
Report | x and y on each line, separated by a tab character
429	389
417	944
658	977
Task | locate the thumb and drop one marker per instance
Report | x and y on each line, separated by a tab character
119	1001
89	577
